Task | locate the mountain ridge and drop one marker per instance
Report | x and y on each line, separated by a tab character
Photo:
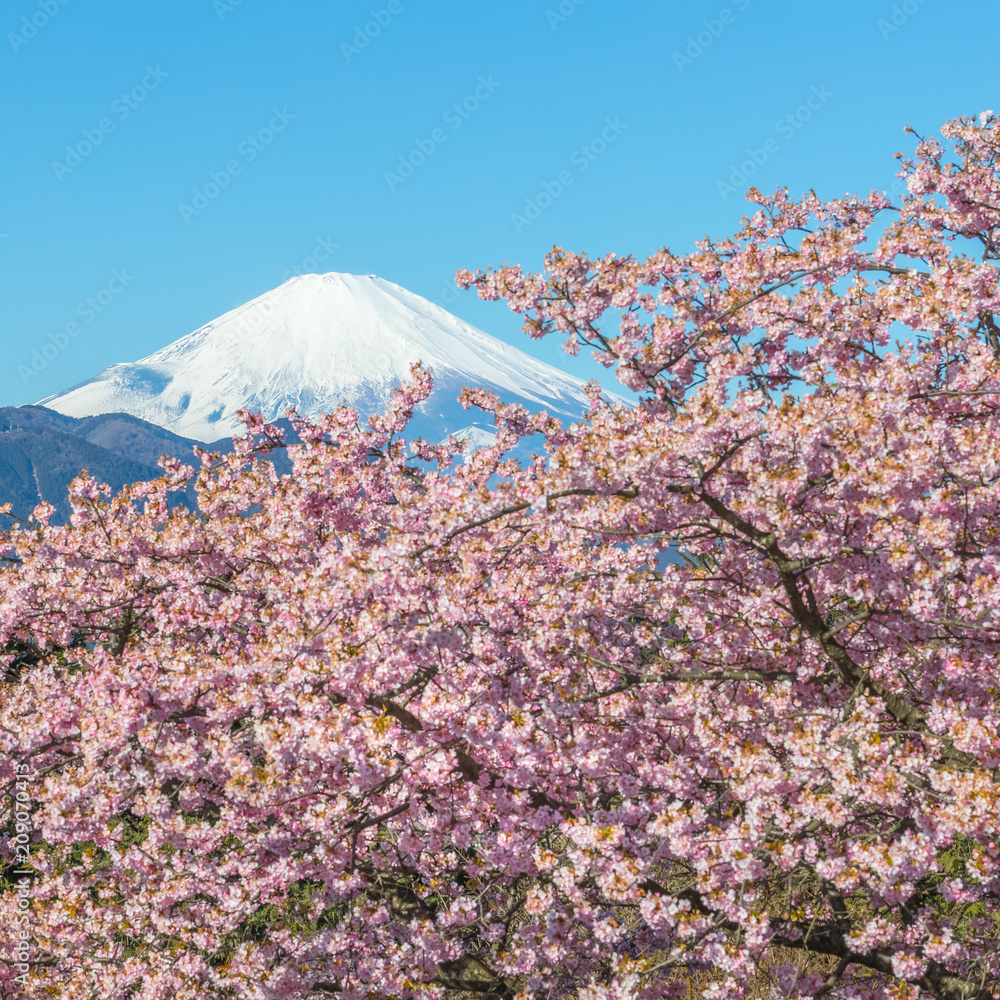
43	451
312	343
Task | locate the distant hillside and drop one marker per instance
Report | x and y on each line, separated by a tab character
42	451
312	343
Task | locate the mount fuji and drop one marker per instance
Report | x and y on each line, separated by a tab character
312	343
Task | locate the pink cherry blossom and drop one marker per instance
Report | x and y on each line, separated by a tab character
704	696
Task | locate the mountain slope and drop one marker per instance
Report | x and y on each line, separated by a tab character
42	452
119	433
310	344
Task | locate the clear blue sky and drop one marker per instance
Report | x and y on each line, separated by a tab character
646	107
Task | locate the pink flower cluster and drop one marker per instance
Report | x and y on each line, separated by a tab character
706	691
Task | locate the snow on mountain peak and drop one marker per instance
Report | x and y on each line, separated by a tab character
311	343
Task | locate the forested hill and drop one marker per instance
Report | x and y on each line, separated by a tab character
42	451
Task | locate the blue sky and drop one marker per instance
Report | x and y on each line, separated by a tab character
165	161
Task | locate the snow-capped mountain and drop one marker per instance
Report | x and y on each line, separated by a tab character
312	343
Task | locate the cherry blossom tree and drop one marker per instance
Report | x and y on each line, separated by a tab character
702	700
